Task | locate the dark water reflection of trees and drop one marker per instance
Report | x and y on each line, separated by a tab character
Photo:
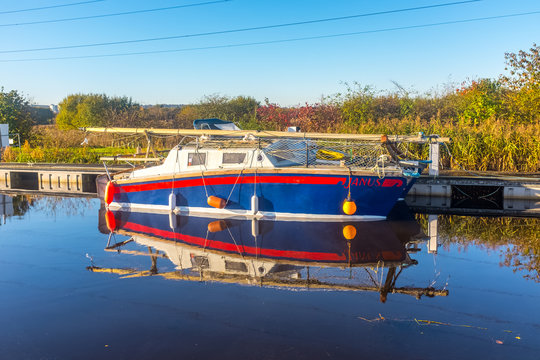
517	239
49	205
21	204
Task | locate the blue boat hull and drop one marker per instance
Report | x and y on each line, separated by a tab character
300	194
278	240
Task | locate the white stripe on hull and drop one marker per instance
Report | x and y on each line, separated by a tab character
227	213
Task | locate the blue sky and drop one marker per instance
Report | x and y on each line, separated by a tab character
292	72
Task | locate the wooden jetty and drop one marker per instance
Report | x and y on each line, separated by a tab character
477	194
56	179
479	184
449	188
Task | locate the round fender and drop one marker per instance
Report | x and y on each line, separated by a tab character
111	222
110	190
349	207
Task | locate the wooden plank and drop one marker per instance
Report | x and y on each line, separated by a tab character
264	134
124	158
266	281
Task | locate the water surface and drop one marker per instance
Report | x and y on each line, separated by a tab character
63	296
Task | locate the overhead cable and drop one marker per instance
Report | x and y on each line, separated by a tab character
112	14
49	7
297	23
277	41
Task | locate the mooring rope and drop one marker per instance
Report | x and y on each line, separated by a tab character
350	179
230	194
174	171
204	184
202	171
237	247
377	168
255	180
206	239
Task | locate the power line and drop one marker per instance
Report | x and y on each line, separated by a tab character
50	7
112	14
241	29
279	41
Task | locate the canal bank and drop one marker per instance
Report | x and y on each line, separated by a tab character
477	194
59	179
486	193
79	178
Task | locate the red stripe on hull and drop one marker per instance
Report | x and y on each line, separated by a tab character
220	245
230	180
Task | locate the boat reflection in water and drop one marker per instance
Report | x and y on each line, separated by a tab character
351	256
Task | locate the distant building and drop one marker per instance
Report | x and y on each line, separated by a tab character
43	114
6	208
4	135
168	106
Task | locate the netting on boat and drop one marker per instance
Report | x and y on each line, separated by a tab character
285	152
291	152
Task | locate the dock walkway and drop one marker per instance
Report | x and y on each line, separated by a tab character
477	194
451	190
52	178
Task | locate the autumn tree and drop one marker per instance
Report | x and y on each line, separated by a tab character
83	110
15	111
522	82
479	100
320	117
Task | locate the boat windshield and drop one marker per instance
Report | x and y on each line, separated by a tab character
214	124
228	126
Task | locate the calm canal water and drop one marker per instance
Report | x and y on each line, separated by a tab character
195	288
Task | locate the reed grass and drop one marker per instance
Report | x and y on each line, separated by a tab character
492	145
69	155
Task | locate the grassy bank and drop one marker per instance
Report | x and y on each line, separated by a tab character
69	155
492	145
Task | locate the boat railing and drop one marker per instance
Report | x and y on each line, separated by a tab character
354	151
418	138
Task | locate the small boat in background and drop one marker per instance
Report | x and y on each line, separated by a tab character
223	171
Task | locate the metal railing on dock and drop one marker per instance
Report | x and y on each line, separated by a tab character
480	195
51	178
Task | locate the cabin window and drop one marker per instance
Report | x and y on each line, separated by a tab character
196	159
235	266
199	261
233	158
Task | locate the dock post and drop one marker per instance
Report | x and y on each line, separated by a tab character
433	234
434	158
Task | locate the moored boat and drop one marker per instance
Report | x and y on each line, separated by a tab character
284	175
351	243
344	256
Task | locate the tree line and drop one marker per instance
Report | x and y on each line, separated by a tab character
513	97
